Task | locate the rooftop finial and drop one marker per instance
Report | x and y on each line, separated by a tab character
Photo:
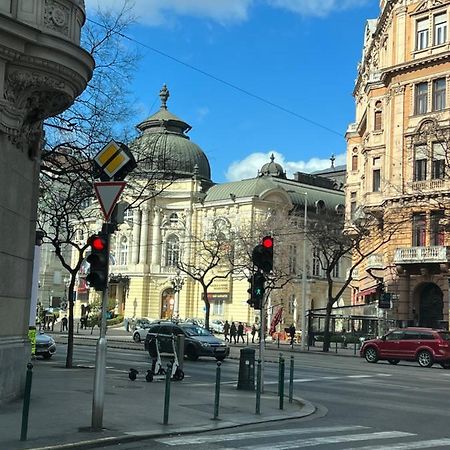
332	159
272	157
164	94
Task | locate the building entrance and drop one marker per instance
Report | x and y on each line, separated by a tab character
167	302
431	306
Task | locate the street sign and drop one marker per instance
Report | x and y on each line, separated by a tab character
114	161
108	193
385	301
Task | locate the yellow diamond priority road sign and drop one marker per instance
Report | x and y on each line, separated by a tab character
112	159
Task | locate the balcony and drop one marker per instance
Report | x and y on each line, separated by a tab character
422	255
428	185
375	261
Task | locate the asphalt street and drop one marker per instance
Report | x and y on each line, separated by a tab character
359	405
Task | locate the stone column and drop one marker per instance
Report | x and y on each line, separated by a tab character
135	245
156	241
143	252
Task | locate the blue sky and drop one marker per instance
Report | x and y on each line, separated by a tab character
298	54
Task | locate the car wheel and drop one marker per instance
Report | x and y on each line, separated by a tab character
136	337
371	355
425	358
191	353
47	355
393	361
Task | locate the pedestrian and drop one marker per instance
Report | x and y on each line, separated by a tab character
233	331
292	334
226	330
64	323
240	332
53	319
253	332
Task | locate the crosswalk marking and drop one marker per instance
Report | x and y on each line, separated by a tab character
255	434
326	440
409	445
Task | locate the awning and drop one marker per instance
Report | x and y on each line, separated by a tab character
367	292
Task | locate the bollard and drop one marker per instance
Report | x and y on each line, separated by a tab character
291	380
279	371
167	394
26	402
282	383
247	338
336	346
180	349
258	388
216	399
78	327
278	341
354	350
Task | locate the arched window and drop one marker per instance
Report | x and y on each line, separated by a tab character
173	219
355	159
123	251
172	251
378	116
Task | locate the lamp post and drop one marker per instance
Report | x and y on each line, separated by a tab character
177	283
303	321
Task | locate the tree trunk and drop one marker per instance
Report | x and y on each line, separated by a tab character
326	335
69	355
207	306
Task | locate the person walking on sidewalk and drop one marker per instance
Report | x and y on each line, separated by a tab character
240	332
226	330
64	323
292	334
253	332
233	331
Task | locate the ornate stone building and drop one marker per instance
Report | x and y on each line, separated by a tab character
42	70
171	227
397	157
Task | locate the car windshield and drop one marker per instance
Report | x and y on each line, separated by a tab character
195	330
445	335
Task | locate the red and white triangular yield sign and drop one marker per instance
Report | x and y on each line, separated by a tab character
108	192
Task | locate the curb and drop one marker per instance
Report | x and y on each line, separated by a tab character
130	436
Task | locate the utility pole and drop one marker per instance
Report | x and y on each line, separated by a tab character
303	317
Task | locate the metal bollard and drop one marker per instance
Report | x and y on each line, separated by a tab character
278	341
291	380
26	402
282	384
336	346
217	397
279	371
258	388
180	349
167	394
354	349
78	327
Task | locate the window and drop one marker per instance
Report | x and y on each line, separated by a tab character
418	230
437	228
440	29
394	336
293	259
411	335
352	205
355	162
421	98
376	180
217	307
123	252
439	94
422	34
172	251
291	305
316	263
173	219
420	163
335	273
378	116
438	164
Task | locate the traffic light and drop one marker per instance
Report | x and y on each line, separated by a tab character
262	255
256	290
98	260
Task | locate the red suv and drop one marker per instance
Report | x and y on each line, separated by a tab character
424	345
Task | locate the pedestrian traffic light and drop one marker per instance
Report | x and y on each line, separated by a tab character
256	290
98	260
262	255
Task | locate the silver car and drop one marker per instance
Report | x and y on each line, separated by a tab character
140	332
45	345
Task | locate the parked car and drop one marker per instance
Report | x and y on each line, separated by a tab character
424	345
217	326
45	345
198	340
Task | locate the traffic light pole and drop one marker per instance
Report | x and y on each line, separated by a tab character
98	400
262	340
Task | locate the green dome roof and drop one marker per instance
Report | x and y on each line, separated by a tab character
171	151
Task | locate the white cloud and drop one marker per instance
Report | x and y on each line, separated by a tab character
249	166
316	7
157	12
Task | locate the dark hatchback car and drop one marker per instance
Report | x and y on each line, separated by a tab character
424	345
198	340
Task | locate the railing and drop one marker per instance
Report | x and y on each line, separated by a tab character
375	261
428	185
414	255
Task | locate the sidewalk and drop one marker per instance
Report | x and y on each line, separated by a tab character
61	408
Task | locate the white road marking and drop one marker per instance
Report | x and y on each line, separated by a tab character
255	434
409	445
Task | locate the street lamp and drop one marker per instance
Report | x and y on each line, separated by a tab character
177	284
303	321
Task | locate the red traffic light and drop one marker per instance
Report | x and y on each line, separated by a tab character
98	243
267	242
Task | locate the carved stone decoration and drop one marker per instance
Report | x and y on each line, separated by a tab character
56	16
